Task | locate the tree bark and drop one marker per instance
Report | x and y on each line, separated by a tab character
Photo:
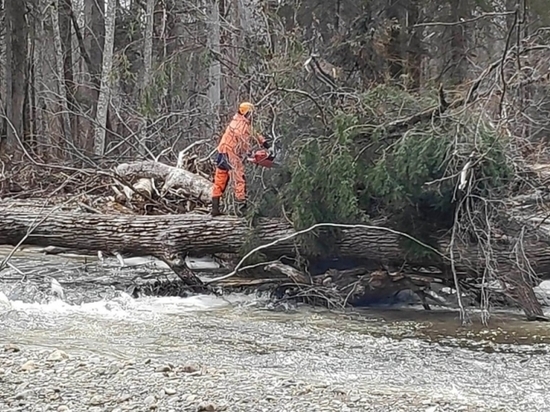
458	71
171	237
201	234
65	29
91	42
16	73
104	91
215	69
147	67
191	184
394	46
414	46
42	130
61	65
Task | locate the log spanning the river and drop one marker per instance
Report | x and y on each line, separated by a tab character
171	237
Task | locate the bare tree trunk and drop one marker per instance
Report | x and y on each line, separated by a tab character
94	40
65	11
215	70
3	64
7	145
41	129
413	46
147	67
16	76
230	38
458	70
61	85
394	46
104	92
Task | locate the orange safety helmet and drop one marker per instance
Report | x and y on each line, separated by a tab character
245	107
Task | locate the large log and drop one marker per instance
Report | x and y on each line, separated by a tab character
191	184
171	237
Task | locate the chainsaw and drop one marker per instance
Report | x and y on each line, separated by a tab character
265	157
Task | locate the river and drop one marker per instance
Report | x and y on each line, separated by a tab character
81	342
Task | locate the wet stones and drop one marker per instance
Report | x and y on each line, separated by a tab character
190	368
207	407
169	391
28	366
57	356
112	369
150	402
96	400
124	398
164	368
10	347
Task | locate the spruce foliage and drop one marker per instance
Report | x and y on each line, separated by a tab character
356	167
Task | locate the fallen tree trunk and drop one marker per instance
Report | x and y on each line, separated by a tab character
174	178
171	237
177	235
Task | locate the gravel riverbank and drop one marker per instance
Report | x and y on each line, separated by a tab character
56	358
91	347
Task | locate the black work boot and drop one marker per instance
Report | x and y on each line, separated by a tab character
215	206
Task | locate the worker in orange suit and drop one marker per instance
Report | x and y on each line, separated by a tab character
233	148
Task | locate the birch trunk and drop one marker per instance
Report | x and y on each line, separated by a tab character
147	66
191	184
104	91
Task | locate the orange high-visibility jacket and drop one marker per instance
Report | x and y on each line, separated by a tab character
237	136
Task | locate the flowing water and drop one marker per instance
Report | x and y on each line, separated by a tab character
72	339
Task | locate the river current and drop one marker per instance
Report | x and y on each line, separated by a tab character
239	352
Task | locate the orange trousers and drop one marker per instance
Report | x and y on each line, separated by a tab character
229	166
